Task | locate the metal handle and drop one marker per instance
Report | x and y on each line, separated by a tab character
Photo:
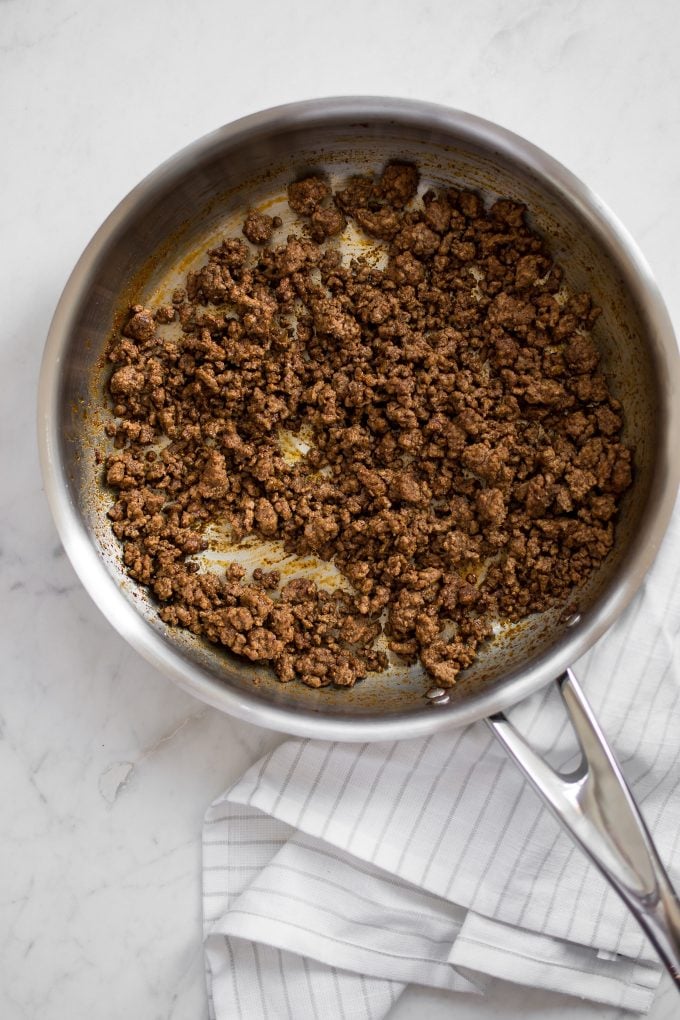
595	805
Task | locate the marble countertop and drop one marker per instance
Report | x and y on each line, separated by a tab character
105	767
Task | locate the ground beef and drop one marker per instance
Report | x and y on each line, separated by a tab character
258	227
464	464
305	196
326	223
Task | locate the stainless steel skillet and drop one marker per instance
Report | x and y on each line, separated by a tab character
171	217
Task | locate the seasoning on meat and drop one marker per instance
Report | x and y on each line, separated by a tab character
258	227
465	461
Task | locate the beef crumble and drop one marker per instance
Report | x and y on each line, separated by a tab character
465	459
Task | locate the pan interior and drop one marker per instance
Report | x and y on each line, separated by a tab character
194	204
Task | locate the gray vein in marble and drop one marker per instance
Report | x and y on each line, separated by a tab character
117	777
18	44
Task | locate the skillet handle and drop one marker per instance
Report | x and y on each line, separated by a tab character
596	806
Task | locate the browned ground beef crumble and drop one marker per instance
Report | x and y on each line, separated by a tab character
465	459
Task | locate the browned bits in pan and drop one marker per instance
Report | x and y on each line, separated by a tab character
465	461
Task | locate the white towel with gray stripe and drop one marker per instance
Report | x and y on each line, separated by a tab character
336	874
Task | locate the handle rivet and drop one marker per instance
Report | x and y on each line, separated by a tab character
572	620
438	696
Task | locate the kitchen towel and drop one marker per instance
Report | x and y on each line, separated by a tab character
336	874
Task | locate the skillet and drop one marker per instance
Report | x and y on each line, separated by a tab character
201	194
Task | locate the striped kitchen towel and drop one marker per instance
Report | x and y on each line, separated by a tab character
336	874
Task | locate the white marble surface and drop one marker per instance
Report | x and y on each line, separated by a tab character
105	767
